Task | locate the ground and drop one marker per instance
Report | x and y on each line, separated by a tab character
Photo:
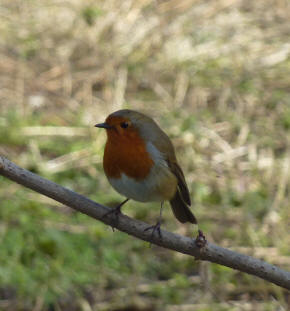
215	75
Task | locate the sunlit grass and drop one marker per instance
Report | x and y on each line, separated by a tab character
215	75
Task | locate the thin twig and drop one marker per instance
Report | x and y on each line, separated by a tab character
209	252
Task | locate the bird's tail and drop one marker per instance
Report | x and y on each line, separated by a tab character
181	210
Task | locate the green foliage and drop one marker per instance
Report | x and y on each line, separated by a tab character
90	14
214	80
286	118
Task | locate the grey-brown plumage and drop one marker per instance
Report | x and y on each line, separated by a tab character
181	201
170	181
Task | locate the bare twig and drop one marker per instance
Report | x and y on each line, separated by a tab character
209	252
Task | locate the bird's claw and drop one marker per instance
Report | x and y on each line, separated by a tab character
116	211
156	227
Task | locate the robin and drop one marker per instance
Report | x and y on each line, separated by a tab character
140	163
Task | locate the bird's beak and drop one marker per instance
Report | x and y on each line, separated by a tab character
103	125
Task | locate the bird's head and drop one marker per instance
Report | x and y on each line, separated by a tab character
127	125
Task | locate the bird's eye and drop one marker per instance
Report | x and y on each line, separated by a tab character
124	125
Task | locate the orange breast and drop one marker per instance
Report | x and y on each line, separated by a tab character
126	154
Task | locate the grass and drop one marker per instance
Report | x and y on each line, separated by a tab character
215	75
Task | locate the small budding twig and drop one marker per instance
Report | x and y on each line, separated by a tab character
199	248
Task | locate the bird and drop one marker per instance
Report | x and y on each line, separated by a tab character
140	163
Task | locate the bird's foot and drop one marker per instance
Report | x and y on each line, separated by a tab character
155	228
116	211
200	240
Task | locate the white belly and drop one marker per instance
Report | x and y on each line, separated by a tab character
160	185
158	188
142	191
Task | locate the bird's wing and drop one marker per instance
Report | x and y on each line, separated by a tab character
164	145
176	170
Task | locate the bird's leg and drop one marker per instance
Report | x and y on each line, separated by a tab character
116	210
157	226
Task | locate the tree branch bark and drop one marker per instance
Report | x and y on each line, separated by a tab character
185	245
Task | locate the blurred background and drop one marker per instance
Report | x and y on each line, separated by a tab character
216	77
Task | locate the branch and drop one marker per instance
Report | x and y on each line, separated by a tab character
185	245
